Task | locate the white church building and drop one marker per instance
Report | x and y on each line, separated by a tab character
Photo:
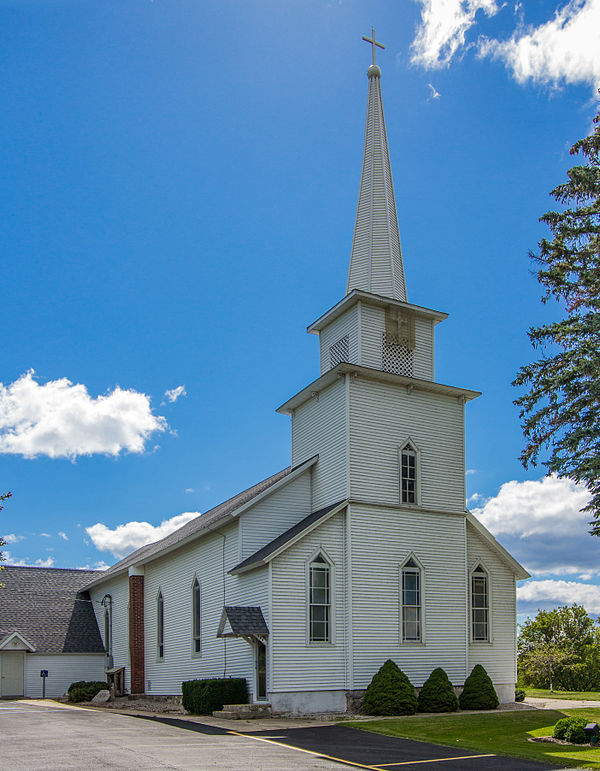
362	549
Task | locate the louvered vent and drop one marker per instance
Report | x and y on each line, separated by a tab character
339	352
396	357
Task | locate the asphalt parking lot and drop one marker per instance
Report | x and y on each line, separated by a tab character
48	737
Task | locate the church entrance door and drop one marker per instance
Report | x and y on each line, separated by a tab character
12	673
261	671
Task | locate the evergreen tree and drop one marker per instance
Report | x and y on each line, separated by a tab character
390	692
561	409
437	694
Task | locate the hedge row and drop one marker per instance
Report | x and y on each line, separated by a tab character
203	697
85	690
391	692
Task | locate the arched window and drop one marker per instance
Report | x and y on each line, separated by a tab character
408	474
196	645
411	602
160	626
319	602
480	605
107	605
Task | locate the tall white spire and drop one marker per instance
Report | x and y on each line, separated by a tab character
376	260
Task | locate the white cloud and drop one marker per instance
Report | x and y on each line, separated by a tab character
47	563
45	535
61	420
12	538
174	393
101	565
10	560
64	536
130	536
190	490
434	95
551	593
541	524
564	49
444	24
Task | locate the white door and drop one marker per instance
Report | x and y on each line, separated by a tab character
12	673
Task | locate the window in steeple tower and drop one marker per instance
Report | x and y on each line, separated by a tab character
395	356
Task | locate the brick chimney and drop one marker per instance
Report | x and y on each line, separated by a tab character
136	629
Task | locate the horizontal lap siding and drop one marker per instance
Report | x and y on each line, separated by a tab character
63	670
274	515
296	665
174	576
319	427
118	588
346	324
499	656
423	362
382	416
381	541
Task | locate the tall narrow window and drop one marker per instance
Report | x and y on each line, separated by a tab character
480	608
196	616
411	602
320	600
160	626
107	605
408	474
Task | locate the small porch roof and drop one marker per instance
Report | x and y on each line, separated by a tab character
242	621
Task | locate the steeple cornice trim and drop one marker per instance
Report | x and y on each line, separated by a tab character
358	295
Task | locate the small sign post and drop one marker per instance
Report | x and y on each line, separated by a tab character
44	675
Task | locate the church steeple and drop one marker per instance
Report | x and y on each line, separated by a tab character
376	259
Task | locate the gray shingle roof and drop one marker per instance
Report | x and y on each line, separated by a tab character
195	527
49	609
245	620
261	555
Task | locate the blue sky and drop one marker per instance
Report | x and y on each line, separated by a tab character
180	189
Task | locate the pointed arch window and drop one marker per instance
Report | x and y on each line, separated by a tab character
411	602
107	605
408	474
319	601
196	625
160	625
480	605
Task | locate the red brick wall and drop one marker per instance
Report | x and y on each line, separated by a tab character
136	632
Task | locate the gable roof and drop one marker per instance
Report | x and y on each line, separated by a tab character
243	620
204	522
516	567
286	539
47	608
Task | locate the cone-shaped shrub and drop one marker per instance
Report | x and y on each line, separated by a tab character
437	694
479	691
390	692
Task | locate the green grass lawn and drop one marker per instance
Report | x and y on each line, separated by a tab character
501	733
540	693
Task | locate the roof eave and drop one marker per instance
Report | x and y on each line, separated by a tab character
356	295
520	573
372	374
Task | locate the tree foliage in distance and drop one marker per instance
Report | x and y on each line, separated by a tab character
3	497
560	412
560	648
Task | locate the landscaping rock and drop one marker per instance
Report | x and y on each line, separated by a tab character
101	697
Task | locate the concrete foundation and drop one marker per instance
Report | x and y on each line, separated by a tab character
307	702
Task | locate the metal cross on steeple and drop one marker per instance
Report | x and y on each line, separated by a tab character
373	42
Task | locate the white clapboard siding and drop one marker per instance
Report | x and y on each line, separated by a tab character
63	669
499	656
346	324
319	427
209	559
372	327
274	514
382	540
382	416
297	665
118	589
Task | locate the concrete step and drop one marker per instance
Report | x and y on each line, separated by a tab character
243	711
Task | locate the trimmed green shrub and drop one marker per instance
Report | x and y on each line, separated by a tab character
437	694
203	697
390	692
479	691
85	690
519	694
571	729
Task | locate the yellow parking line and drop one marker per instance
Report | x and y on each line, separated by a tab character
308	752
433	760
